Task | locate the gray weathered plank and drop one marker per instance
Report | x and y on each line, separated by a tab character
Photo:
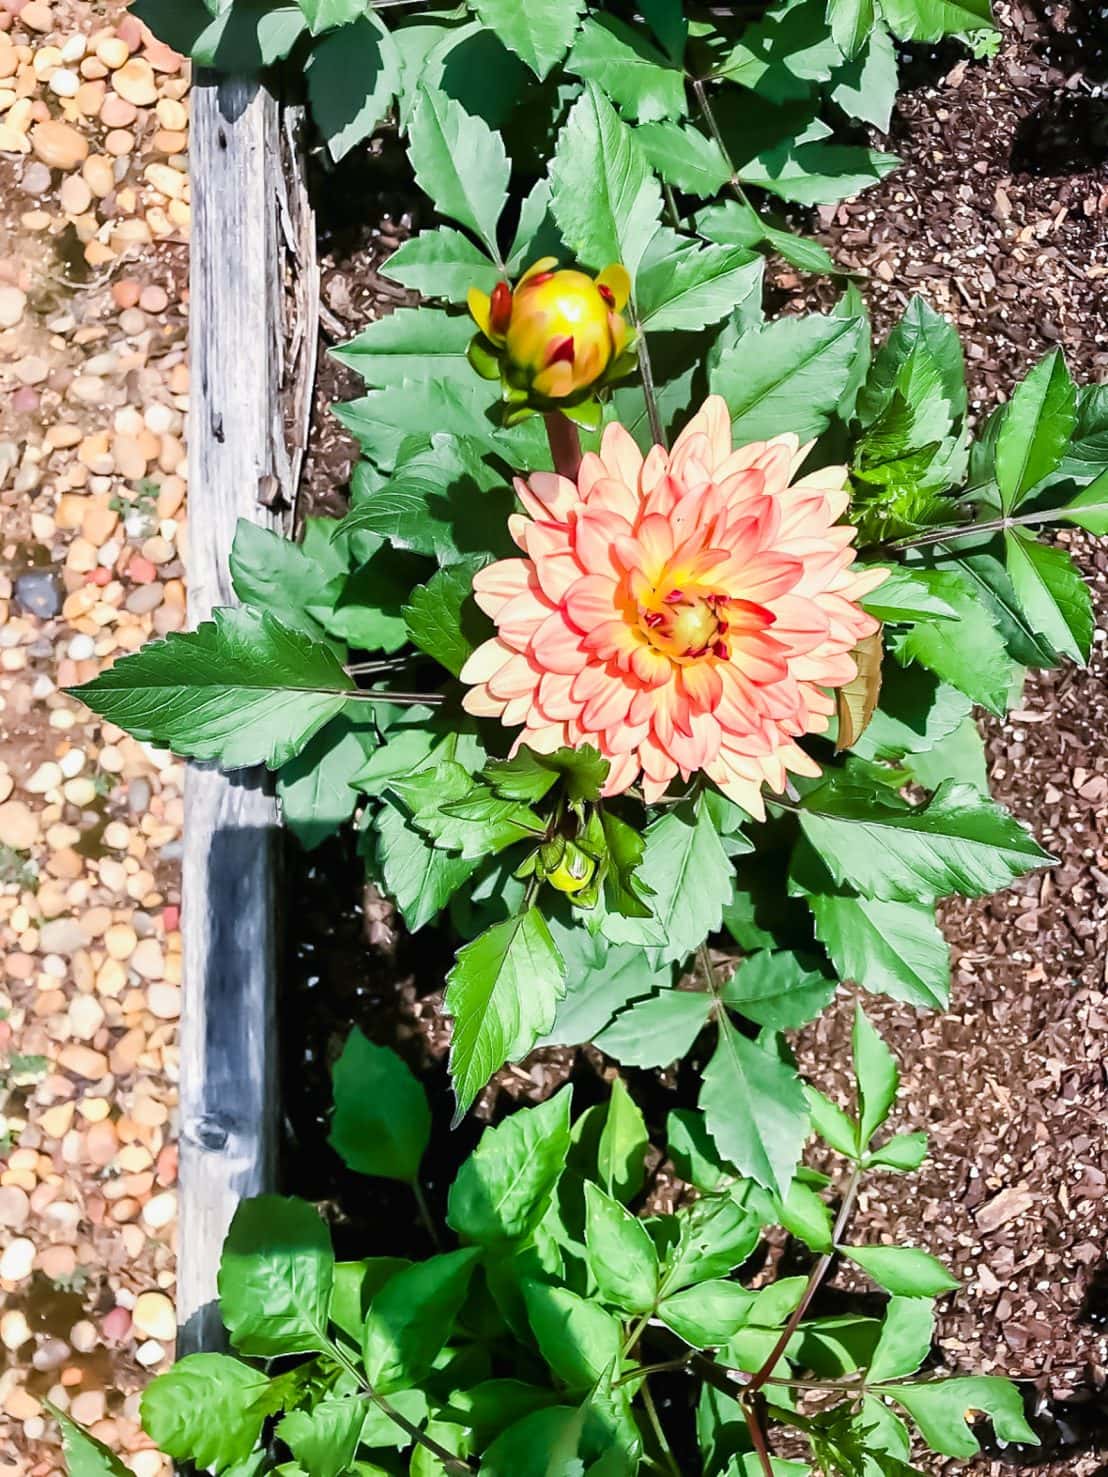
246	222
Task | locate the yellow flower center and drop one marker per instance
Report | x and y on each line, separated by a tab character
685	625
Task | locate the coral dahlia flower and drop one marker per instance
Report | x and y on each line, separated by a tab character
687	611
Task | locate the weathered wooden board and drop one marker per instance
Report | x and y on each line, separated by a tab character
253	333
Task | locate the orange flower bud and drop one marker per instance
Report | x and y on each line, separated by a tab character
555	338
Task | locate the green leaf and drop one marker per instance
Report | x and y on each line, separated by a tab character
787	376
940	1407
600	979
208	1409
1052	592
442	617
755	1109
430	502
968	653
685	286
324	1438
524	1448
621	1253
780	55
778	989
578	1339
462	814
931	20
739	224
716	1234
528	775
909	594
604	197
877	1076
353	78
441	263
84	1455
959	841
708	1315
835	1127
315	788
851	22
411	1318
461	163
502	992
902	1153
1035	429
179	23
621	1153
625	890
354	1288
419	877
804	1215
274	574
539	31
275	1278
248	37
817	173
382	1123
905	1271
409	344
1089	509
241	689
889	948
865	88
658	1030
919	327
638	78
502	1190
684	157
323	14
905	1340
689	875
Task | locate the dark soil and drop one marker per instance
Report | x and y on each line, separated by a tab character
1000	218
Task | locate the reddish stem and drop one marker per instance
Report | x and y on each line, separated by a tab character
565	444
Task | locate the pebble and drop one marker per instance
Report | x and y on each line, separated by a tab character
15	1207
62	936
19	826
154	1316
135	82
38	594
17	1259
164	1001
47	777
12	304
161	1211
59	144
14	1330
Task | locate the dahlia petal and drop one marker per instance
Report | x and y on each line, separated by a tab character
608	706
614	496
650	666
548	495
713	422
614	640
620	455
622	774
516	678
555	575
486	661
556	646
555	698
520	618
594	536
702	684
480	702
591	601
497	584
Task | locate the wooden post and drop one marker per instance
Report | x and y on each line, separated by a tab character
252	296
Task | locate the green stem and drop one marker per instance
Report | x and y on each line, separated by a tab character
636	1333
819	1271
425	1214
652	1415
714	129
451	1462
646	370
968	530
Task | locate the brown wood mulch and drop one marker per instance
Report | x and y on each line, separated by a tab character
1000	218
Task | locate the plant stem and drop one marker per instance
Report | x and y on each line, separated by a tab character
367	669
966	530
636	1332
646	370
565	444
717	135
425	1214
652	1414
386	695
646	1369
450	1461
756	1426
819	1271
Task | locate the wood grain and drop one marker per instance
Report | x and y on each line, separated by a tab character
252	241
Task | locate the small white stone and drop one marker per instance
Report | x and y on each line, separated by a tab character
161	1210
150	1353
46	777
154	1316
81	648
17	1260
72	762
14	1330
